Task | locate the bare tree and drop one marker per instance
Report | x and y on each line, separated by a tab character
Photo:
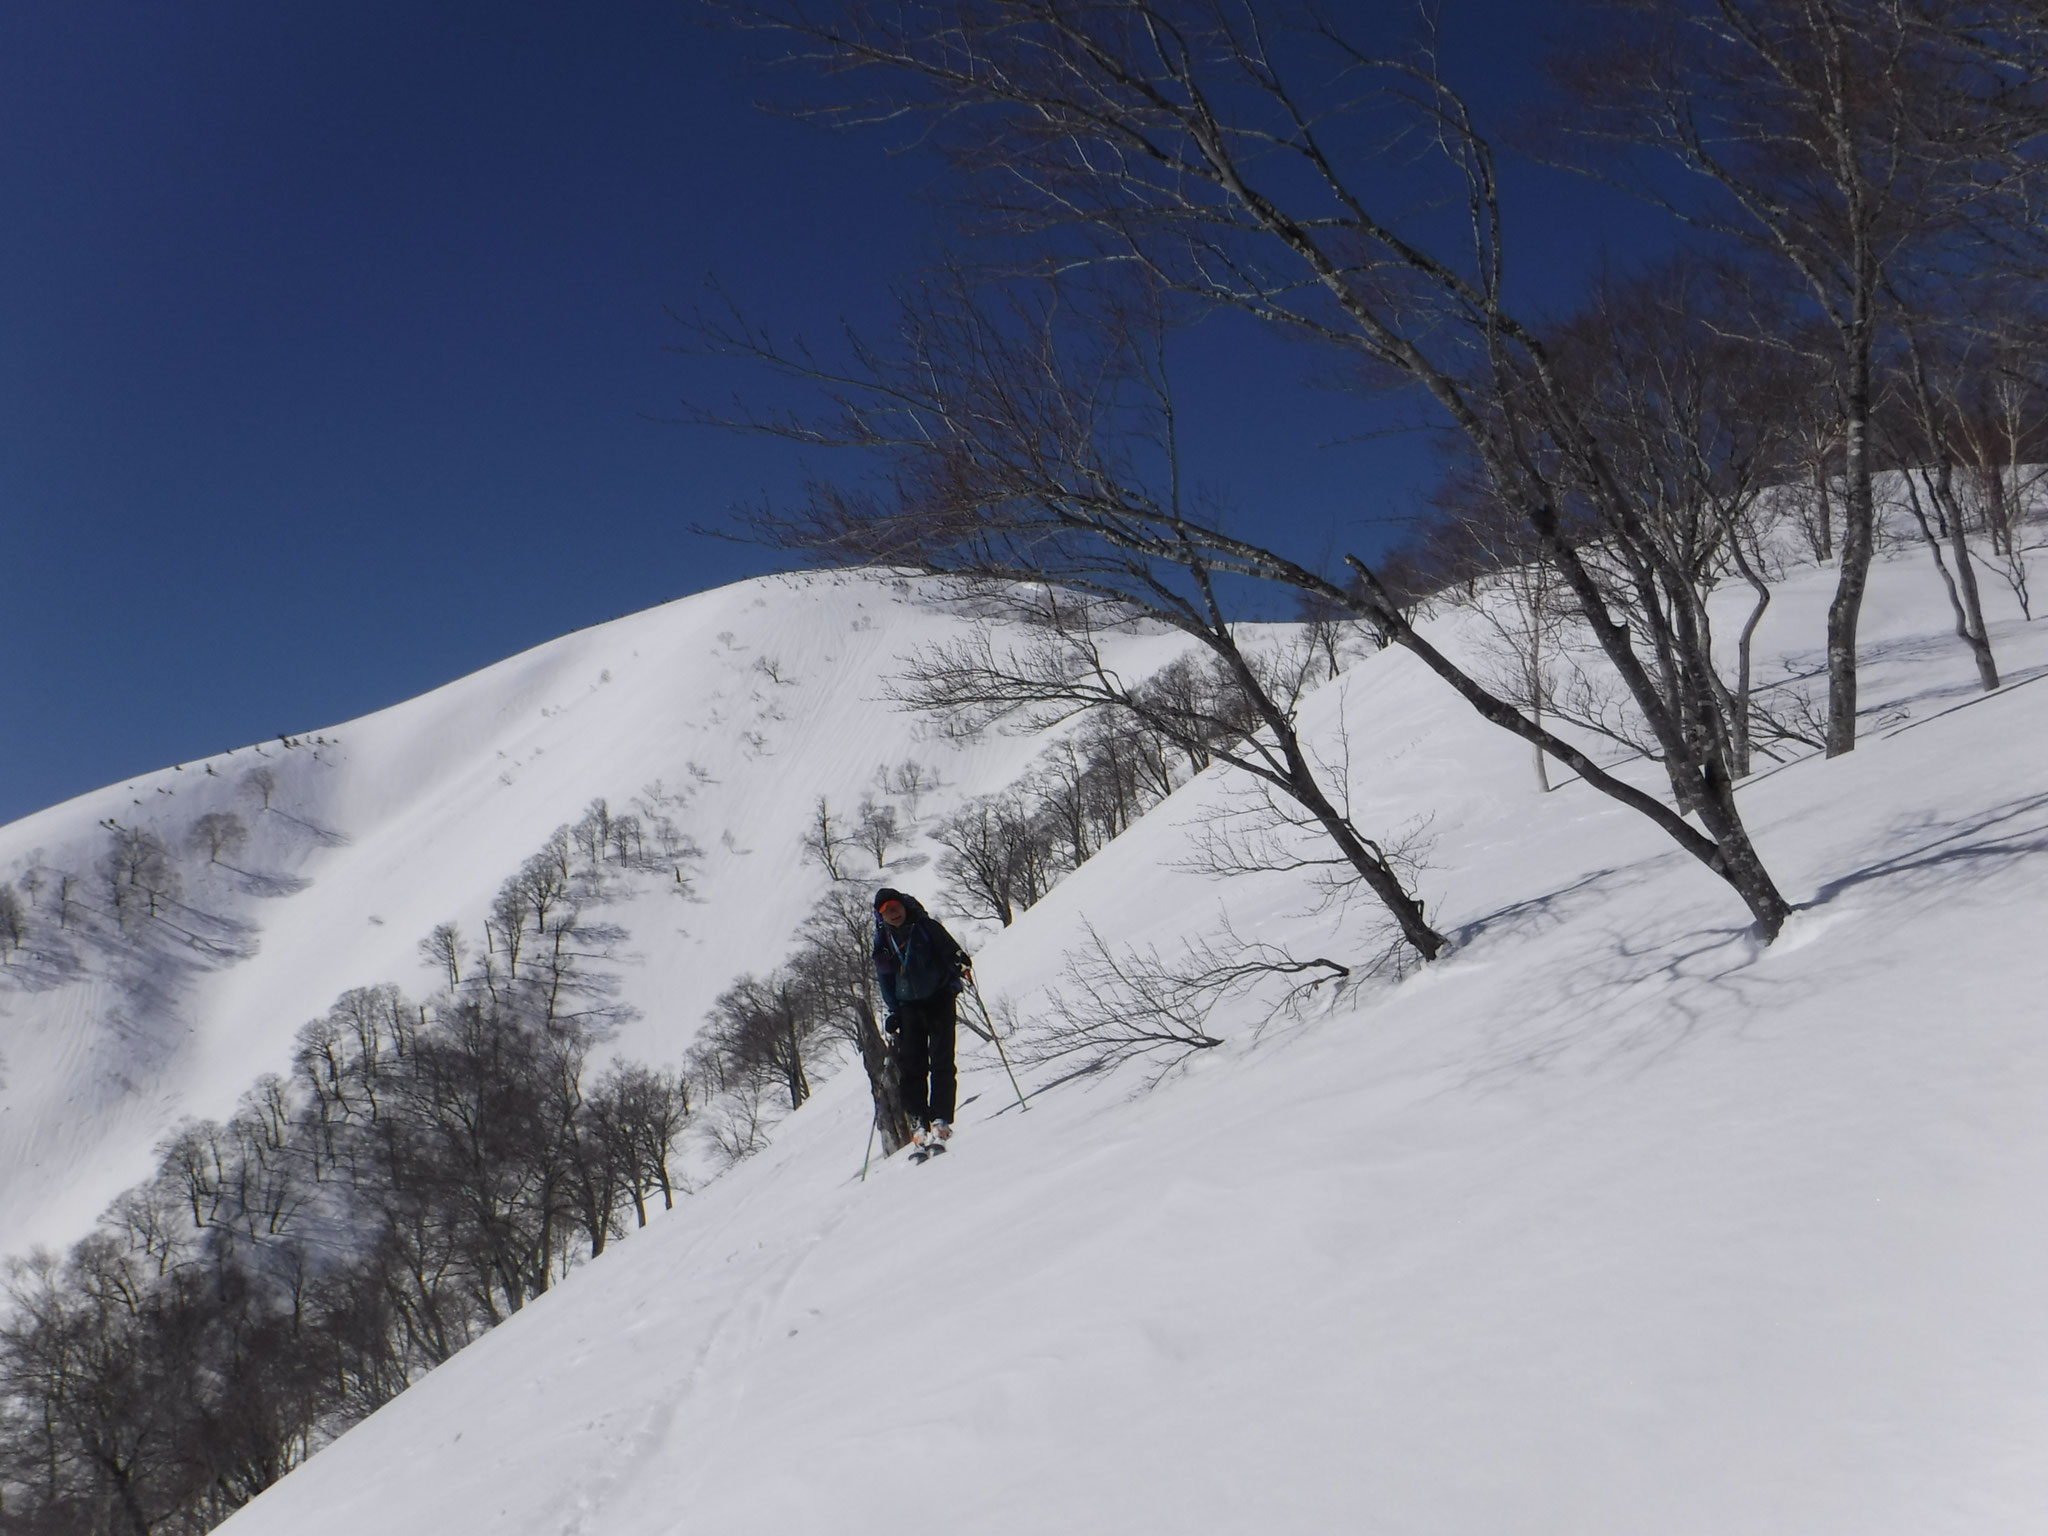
759	1024
594	835
1030	454
139	873
13	919
1522	616
216	834
260	784
998	860
1984	409
63	894
645	1112
909	781
1113	1007
1228	161
1928	457
442	949
876	829
1700	421
823	839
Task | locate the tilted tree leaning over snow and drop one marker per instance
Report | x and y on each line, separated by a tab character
1033	440
1229	158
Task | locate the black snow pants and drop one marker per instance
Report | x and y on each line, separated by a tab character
924	1058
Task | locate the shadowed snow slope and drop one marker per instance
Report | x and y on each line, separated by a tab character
1612	1222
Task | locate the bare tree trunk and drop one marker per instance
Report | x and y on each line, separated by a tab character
1963	601
1372	870
1534	592
1937	428
1859	542
1298	779
1824	529
1739	725
1727	851
1975	634
1996	520
880	1063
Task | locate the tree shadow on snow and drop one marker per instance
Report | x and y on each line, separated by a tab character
1539	914
1971	695
255	883
1631	1000
1945	855
52	962
325	837
1633	993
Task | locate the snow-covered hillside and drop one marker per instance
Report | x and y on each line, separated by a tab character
727	713
1612	1222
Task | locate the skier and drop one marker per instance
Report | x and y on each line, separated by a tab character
919	968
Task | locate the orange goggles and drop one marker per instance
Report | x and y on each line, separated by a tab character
892	911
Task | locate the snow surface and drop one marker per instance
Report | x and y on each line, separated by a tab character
1612	1222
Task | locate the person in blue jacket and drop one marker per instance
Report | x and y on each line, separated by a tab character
919	968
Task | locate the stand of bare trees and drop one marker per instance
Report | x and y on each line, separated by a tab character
1006	850
1224	156
426	1171
1858	150
1702	427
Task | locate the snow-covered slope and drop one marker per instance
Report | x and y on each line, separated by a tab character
1613	1222
1610	1223
729	713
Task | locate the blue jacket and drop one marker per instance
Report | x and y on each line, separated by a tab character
920	960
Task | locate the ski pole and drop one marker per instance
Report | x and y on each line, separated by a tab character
997	1037
868	1156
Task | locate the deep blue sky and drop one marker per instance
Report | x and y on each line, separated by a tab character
330	335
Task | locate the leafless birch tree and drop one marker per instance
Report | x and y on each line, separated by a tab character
1233	159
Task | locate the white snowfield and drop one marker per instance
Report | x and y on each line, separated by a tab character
1611	1222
